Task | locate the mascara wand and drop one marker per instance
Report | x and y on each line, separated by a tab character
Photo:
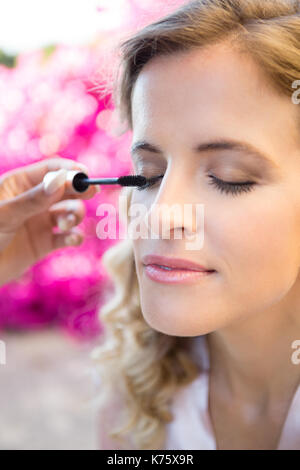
81	181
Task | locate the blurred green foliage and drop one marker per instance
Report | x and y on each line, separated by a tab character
10	60
7	59
48	50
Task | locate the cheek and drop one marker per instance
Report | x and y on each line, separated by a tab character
255	245
140	196
259	244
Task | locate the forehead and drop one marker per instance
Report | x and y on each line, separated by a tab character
197	78
208	92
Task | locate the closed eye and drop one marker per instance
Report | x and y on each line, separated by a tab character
228	187
150	182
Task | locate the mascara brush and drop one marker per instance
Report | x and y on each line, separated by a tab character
81	181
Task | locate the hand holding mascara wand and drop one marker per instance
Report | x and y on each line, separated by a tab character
81	181
38	196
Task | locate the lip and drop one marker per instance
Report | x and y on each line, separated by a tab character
176	263
175	276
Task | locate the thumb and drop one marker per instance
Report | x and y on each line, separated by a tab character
34	201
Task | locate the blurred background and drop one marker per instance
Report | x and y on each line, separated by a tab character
57	60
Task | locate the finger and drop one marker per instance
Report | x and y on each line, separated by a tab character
71	191
49	241
61	240
66	214
88	194
35	172
14	211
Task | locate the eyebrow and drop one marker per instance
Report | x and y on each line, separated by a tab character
216	145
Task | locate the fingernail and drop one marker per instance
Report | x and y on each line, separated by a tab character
73	205
98	188
83	167
72	239
66	221
54	180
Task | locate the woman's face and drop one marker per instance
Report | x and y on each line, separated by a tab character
251	238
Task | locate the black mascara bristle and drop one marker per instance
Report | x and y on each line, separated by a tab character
132	180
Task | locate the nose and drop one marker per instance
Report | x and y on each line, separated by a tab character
176	208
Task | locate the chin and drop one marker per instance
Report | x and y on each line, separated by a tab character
173	322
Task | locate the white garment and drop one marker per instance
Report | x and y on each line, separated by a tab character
191	427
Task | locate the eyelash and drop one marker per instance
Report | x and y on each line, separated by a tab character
227	187
150	182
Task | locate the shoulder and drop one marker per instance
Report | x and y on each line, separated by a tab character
110	416
106	417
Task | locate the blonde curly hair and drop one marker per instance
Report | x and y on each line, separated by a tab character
141	369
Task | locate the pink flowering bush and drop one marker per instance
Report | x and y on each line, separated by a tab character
51	104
